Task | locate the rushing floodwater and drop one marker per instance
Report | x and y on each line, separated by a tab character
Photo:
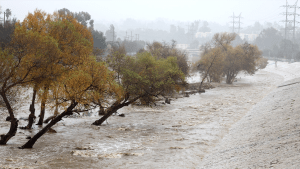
166	136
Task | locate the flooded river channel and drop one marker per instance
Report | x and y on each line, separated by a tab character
178	135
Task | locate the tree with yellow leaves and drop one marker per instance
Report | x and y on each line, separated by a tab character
211	65
78	87
226	60
21	61
241	58
42	48
74	42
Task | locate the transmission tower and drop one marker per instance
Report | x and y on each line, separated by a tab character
294	14
236	22
289	21
293	22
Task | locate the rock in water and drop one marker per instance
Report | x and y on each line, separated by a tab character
101	112
51	131
168	101
122	115
201	91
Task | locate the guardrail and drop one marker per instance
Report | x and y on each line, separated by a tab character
281	59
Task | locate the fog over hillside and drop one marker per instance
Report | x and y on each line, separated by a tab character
154	21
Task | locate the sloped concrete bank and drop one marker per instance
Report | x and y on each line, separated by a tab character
268	136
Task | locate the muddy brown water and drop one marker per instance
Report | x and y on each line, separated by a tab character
178	135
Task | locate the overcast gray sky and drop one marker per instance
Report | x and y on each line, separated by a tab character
181	10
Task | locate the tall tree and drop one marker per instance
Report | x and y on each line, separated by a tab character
99	39
7	13
268	38
163	50
73	40
6	33
22	60
204	27
111	33
79	87
84	18
224	59
145	76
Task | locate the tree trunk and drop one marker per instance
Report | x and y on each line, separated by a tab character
13	121
116	106
12	131
101	110
56	109
58	118
32	110
108	113
206	74
43	105
229	78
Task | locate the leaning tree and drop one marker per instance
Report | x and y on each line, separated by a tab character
20	65
77	88
144	77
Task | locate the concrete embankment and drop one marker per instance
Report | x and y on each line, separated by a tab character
268	136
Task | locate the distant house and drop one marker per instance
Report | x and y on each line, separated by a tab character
182	46
193	54
248	37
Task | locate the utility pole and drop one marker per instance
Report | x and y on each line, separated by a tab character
113	34
240	22
4	19
189	33
131	36
188	25
233	22
295	14
125	36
